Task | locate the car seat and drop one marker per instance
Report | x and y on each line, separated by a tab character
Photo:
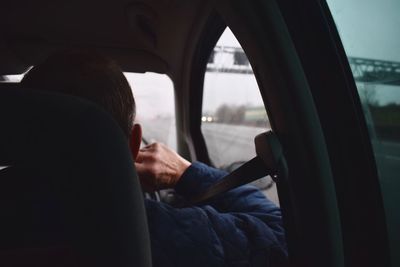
69	193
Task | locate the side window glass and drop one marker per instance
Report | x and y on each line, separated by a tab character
155	111
233	110
11	78
370	34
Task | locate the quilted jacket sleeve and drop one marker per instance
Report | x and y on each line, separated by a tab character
239	228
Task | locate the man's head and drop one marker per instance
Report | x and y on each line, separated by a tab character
93	77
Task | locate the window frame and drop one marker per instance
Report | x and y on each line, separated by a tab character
299	44
226	164
360	202
279	102
210	35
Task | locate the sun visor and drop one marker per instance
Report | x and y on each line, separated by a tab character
20	55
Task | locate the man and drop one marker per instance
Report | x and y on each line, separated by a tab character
238	228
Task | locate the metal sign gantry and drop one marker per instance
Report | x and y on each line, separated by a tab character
233	60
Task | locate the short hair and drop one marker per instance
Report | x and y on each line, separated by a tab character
91	76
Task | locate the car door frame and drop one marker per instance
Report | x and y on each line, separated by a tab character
332	196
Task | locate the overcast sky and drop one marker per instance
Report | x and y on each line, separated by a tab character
228	39
369	28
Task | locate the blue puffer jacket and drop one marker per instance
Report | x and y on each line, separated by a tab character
239	228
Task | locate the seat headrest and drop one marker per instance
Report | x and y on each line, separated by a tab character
86	154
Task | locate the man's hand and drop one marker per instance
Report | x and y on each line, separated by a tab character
159	167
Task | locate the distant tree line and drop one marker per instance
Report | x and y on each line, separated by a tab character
230	114
241	115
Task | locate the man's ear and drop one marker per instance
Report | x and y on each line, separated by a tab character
136	139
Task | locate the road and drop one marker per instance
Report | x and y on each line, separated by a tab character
226	144
232	143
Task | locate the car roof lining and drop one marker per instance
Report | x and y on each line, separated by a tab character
25	54
140	35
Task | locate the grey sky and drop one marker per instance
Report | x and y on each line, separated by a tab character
369	28
228	39
154	94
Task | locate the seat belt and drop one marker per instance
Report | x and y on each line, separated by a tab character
269	161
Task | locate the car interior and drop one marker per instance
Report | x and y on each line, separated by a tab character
83	216
330	146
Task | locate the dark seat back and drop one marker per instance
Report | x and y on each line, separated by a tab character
70	188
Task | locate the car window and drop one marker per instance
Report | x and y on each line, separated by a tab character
233	111
154	96
155	111
11	78
370	34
